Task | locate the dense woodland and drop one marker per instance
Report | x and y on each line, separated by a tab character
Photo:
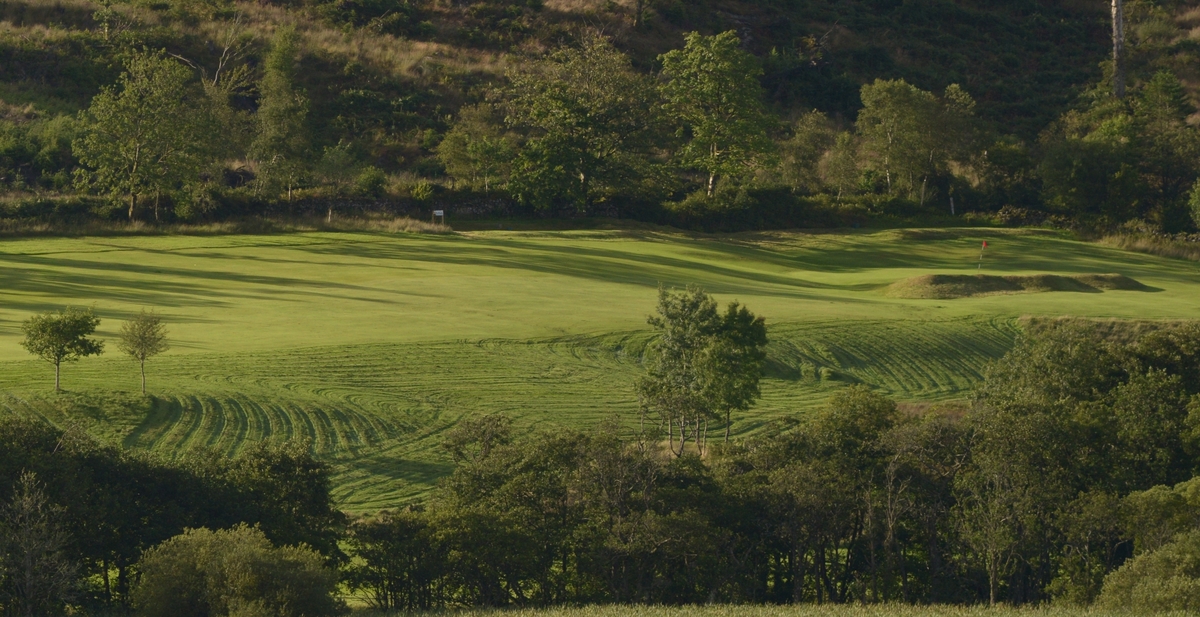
1069	476
715	114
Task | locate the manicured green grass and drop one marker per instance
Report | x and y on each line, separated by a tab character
373	344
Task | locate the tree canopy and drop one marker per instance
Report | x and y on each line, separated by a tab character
594	122
713	89
143	137
62	336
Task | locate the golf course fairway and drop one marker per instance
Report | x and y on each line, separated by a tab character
373	344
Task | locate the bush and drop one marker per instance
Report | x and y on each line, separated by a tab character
202	573
371	182
1167	579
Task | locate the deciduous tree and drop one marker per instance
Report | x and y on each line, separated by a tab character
62	337
593	121
144	136
910	134
38	578
475	149
142	338
713	91
282	144
234	572
703	365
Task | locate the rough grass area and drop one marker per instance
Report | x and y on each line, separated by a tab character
372	344
1154	245
1120	331
257	225
948	286
824	610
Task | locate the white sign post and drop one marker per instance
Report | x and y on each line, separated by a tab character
436	214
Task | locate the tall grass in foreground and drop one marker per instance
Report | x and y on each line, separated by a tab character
803	610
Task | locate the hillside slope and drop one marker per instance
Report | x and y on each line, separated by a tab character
390	74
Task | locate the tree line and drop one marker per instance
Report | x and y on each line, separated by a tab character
93	527
583	127
690	139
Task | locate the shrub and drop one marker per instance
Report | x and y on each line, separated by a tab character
371	182
202	573
1167	579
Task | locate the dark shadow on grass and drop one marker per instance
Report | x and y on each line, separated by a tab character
390	468
603	265
154	287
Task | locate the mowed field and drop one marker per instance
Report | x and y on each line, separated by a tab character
372	344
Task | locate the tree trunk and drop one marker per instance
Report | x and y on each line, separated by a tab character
157	195
712	182
1118	38
727	422
143	377
56	367
992	580
132	204
586	190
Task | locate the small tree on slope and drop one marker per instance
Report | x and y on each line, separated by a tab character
62	337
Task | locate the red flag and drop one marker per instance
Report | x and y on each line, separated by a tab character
985	244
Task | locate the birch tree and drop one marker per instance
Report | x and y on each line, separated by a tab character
714	93
40	578
910	135
702	367
142	338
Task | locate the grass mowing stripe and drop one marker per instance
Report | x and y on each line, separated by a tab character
383	433
372	345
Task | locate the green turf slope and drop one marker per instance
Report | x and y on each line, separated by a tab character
372	345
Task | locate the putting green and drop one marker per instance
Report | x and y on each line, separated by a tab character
372	344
